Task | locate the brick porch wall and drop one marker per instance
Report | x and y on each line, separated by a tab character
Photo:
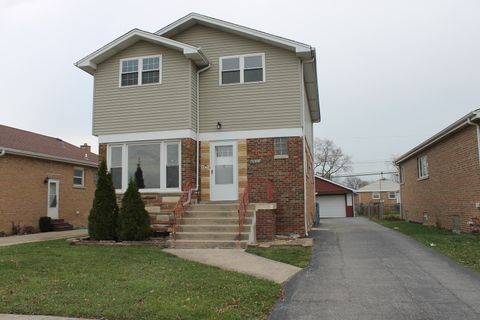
453	185
287	177
266	224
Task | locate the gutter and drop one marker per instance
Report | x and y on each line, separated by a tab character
469	121
198	127
439	136
47	157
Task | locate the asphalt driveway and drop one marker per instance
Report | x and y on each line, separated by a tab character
361	270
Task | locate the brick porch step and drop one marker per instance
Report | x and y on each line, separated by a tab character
61	225
210	244
207	236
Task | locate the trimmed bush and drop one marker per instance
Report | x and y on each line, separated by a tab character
45	224
102	221
133	219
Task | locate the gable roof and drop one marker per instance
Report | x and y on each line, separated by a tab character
382	185
333	183
30	144
89	63
466	120
303	51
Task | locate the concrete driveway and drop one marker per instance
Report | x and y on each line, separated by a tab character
361	270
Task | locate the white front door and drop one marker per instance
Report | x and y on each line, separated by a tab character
223	171
52	200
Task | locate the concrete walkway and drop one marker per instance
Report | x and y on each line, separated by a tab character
239	261
29	317
361	270
43	236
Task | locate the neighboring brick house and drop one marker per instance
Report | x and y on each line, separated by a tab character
380	191
440	178
212	104
43	176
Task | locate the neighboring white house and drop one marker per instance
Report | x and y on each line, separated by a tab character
382	190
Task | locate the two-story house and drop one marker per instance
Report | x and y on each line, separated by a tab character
213	105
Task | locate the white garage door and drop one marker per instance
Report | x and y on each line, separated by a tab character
332	206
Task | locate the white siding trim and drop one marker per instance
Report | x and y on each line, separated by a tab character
251	134
142	136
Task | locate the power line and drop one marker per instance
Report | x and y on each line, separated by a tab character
364	174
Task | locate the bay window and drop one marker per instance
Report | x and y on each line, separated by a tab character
154	165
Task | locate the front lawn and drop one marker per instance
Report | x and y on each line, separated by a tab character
54	278
463	248
294	255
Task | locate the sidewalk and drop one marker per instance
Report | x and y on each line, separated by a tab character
239	261
29	317
43	236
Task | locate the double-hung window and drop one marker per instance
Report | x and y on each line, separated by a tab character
155	166
392	195
140	71
376	195
78	177
242	69
422	167
281	147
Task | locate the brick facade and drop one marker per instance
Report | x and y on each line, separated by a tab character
287	177
452	187
367	197
23	192
266	224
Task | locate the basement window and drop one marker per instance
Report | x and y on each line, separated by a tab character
140	71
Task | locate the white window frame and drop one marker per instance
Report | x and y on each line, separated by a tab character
421	169
140	70
401	174
394	195
163	165
83	177
278	155
241	58
375	194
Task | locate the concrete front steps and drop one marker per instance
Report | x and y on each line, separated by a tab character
208	226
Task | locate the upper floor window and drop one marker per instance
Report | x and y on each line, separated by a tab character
242	68
78	177
423	167
140	71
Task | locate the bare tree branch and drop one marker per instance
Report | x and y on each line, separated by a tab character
330	159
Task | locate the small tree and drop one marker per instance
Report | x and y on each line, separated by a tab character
139	177
102	221
329	159
133	220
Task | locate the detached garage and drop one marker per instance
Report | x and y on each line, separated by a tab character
333	199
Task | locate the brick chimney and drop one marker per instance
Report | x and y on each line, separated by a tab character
86	147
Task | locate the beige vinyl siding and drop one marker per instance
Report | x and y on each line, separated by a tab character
156	107
193	112
273	104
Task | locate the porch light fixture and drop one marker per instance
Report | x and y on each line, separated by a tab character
46	180
219	125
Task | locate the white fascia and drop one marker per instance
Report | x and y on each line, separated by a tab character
147	136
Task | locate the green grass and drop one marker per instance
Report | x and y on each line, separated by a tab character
294	255
54	278
463	248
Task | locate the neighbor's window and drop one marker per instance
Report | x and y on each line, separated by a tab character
422	167
78	176
401	174
154	166
242	69
392	195
375	195
281	147
139	71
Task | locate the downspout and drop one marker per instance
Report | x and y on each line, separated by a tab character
302	89
478	134
198	126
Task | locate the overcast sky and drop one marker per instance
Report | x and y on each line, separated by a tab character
391	73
